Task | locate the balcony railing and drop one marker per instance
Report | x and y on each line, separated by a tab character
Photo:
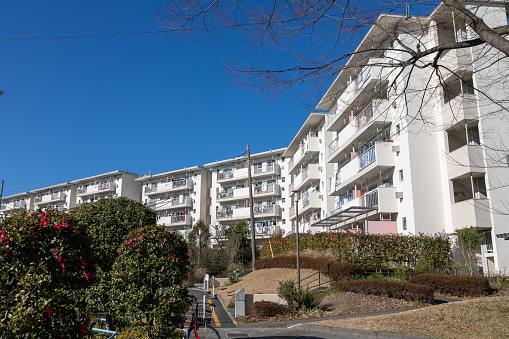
224	175
367	158
291	186
333	146
263	209
224	213
292	210
261	190
225	195
370	199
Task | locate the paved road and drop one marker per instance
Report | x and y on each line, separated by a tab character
227	328
220	319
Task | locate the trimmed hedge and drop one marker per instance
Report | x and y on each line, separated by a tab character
336	271
390	289
457	285
371	250
269	309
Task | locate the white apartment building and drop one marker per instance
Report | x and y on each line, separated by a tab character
444	170
16	203
229	192
179	197
60	197
307	172
107	185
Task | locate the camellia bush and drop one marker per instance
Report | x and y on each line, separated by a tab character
109	221
147	276
46	265
372	250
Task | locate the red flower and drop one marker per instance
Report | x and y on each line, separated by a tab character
59	226
84	330
88	320
165	241
44	222
48	310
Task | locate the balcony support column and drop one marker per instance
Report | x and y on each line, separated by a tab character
472	185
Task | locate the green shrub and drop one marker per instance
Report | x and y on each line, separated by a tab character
297	298
147	281
269	309
287	291
458	285
108	222
390	289
423	266
368	250
46	264
400	274
306	300
377	277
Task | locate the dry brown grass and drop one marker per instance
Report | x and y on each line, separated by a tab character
478	318
263	281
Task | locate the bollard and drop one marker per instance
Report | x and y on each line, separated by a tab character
213	287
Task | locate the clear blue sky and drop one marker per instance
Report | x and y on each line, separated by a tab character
80	107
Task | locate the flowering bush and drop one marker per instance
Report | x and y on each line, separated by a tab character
109	221
46	265
147	289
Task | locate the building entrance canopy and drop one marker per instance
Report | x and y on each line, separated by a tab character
336	218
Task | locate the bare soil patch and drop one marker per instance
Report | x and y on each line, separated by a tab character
264	281
477	318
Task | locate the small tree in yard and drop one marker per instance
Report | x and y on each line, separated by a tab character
468	241
109	221
46	265
199	235
147	276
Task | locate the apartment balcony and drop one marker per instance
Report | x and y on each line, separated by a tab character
244	213
459	109
170	204
466	160
174	221
368	165
50	198
382	198
368	122
472	212
266	191
169	187
102	187
457	61
312	202
16	205
266	170
309	149
233	194
304	179
359	90
233	175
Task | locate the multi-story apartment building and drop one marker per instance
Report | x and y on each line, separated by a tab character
60	197
417	152
16	203
229	192
107	185
179	197
307	172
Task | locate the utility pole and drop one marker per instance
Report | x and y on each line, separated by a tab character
297	192
251	211
1	190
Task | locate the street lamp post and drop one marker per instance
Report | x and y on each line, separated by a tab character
297	234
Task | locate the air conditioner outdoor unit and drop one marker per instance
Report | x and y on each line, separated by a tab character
399	195
395	148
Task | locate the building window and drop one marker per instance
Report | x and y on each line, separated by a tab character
401	176
283	200
404	224
283	179
397	130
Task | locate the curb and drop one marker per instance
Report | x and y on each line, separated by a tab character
354	333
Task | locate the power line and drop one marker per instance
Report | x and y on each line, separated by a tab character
83	36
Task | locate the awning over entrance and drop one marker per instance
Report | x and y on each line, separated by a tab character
343	215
